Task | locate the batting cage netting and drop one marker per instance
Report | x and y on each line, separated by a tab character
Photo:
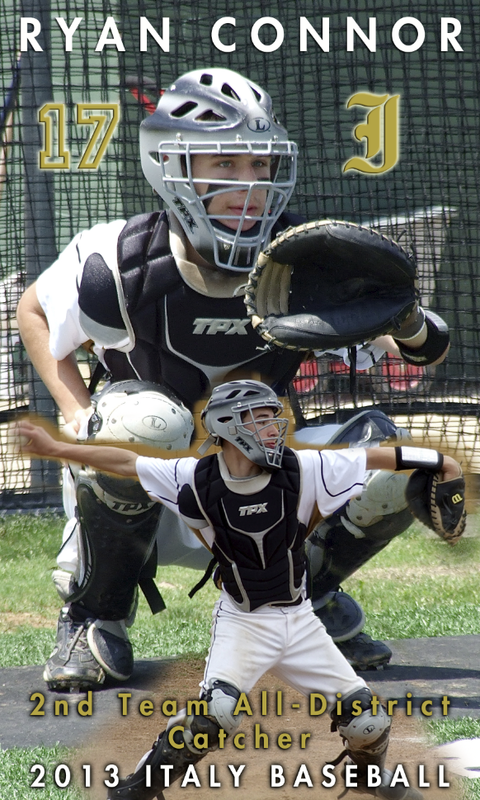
384	106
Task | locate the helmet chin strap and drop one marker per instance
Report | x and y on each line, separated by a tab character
207	444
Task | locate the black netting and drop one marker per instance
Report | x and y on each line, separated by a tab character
429	201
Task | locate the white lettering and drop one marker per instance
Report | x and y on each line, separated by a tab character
399	776
422	783
212	782
225	48
370	40
328	772
163	41
275	23
374	777
323	41
277	777
191	777
236	774
350	776
447	35
68	31
442	783
29	37
408	48
302	776
110	27
167	768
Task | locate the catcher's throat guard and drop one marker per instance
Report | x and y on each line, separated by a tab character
329	284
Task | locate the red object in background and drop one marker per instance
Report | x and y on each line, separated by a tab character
397	375
307	378
401	377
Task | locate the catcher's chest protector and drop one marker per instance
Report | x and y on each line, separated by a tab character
259	542
184	339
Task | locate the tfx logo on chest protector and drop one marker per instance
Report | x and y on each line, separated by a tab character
256	508
212	326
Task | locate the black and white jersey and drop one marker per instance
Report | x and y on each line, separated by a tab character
328	479
155	316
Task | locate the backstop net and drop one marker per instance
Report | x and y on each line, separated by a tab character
332	76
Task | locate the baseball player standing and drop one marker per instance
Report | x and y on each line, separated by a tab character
160	298
253	504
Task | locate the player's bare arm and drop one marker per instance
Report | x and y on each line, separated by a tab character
62	378
386	458
36	441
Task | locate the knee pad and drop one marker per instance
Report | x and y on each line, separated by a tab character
362	732
220	699
117	532
381	512
192	725
361	529
143	412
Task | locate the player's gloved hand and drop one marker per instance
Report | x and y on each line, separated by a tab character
329	284
439	504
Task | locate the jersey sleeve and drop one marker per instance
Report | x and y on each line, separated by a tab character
332	477
163	479
57	286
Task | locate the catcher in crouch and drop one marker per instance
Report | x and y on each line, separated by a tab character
160	298
253	505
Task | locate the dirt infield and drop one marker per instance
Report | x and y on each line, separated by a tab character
123	740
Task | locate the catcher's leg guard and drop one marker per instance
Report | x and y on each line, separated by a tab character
365	737
187	732
118	523
352	536
358	531
117	532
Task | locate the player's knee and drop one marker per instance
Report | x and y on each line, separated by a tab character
199	731
222	698
381	512
361	728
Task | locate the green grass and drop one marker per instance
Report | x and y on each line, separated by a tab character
29	604
16	777
429	589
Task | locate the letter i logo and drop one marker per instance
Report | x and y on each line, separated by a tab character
381	131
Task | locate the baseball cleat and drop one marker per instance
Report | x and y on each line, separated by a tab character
342	616
72	666
109	643
344	619
363	652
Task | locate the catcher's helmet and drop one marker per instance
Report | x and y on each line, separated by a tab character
217	111
140	411
222	418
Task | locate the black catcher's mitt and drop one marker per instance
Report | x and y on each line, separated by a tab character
326	284
438	504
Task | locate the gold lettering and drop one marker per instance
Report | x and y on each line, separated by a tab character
381	131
